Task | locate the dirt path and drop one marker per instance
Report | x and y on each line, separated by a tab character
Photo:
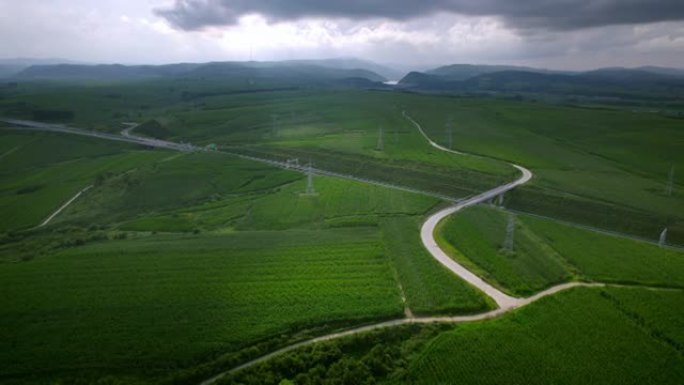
59	210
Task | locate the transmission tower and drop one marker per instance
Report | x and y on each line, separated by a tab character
510	233
500	199
670	182
274	124
663	238
309	181
381	143
450	132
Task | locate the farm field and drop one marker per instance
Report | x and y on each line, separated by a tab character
39	172
579	175
269	192
592	165
141	306
177	266
234	256
428	287
576	337
546	252
597	166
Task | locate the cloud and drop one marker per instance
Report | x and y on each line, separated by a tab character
523	14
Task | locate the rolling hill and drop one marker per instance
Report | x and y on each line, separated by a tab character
301	71
606	82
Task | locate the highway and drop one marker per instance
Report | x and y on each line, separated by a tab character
127	136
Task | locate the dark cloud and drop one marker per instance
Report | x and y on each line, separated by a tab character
521	14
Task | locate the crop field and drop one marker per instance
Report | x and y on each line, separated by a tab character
576	337
164	244
546	252
221	192
428	287
607	258
617	156
39	172
177	266
591	165
147	304
336	131
620	172
476	237
173	182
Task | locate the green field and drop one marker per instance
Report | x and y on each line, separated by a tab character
476	236
577	337
429	288
141	306
598	166
176	266
222	253
546	252
39	172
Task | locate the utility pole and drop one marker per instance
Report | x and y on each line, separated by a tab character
670	182
510	233
663	238
381	143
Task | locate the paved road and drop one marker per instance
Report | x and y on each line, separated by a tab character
128	136
60	128
505	302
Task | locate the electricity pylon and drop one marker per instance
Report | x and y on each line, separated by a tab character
381	144
309	181
450	132
510	233
663	238
670	182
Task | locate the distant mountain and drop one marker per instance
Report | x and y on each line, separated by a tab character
301	71
9	70
11	67
100	72
626	74
421	80
606	82
281	70
353	63
27	62
467	71
677	72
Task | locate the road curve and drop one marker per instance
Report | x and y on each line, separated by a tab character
505	302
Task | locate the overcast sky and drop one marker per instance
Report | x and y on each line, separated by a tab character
567	34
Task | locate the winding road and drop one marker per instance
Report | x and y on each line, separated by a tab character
504	302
